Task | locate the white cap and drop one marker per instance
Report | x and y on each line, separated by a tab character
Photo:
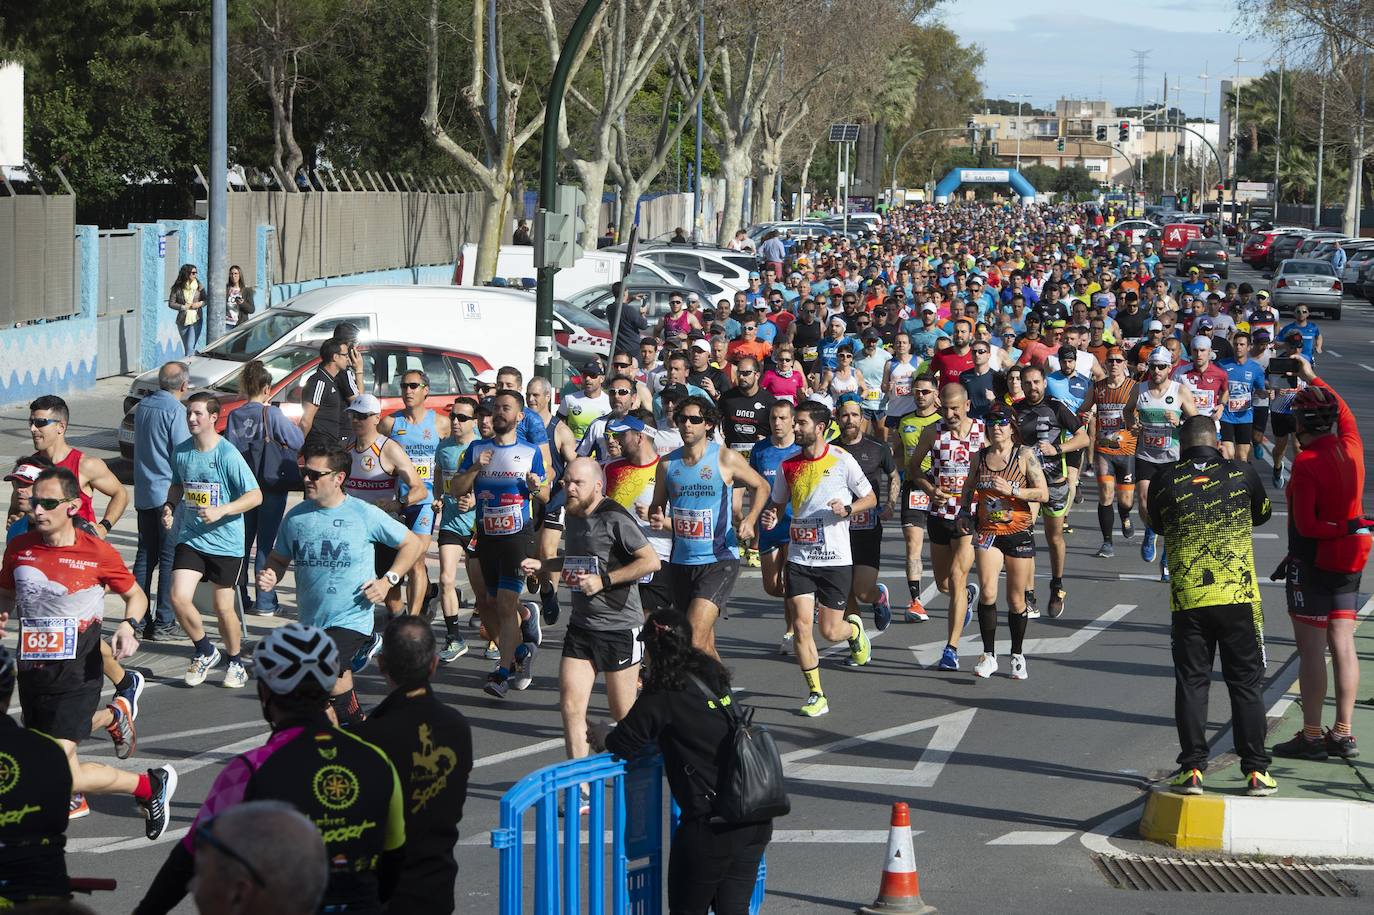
701	345
365	404
1202	342
486	376
1160	356
929	306
1154	325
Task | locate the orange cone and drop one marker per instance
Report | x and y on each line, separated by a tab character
900	891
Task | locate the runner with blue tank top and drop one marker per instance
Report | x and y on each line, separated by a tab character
505	475
456	522
692	498
1244	380
418	430
765	458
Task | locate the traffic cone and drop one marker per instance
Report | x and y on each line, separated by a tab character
900	891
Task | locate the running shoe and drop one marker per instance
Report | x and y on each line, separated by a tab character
548	604
1068	528
1127	529
1260	784
158	807
235	677
1302	747
1278	479
496	685
1164	575
1055	608
261	612
121	728
972	591
492	653
1032	608
815	705
1018	667
751	559
453	649
882	609
788	644
1078	496
915	613
986	666
530	630
523	674
200	667
1186	781
860	649
1106	550
77	807
133	693
1342	745
1147	546
366	653
949	659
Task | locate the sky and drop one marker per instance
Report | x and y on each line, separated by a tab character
1050	48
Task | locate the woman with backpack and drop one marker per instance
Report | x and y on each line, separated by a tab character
269	443
686	709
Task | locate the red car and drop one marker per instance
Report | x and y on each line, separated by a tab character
1257	244
450	373
1175	237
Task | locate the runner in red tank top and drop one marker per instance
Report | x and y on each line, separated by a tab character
48	418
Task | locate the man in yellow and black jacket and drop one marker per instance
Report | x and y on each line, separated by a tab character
1206	508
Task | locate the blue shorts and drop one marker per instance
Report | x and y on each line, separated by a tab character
419	519
892	421
873	416
779	536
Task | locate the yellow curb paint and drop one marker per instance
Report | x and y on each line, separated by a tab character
1184	821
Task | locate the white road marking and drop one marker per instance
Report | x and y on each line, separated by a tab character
1032	837
949	730
177	735
1367	368
788	836
1332	352
542	746
898	613
929	653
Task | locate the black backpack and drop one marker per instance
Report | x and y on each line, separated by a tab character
750	785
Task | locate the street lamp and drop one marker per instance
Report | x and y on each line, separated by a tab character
1020	125
1235	134
1204	76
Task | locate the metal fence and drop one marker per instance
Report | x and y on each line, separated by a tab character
38	269
117	302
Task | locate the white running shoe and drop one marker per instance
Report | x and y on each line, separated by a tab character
1018	667
200	667
523	674
787	646
986	666
235	677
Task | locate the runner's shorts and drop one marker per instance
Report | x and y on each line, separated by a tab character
221	571
829	584
500	559
1118	467
866	546
779	535
452	538
1146	470
1058	504
915	506
657	593
609	650
348	641
65	715
1240	433
941	530
553	512
1316	596
1020	545
420	519
1261	422
1284	424
712	581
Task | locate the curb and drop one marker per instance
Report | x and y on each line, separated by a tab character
1239	825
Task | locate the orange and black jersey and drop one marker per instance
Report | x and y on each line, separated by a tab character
1113	437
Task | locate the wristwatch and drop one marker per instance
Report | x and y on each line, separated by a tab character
392	578
105	523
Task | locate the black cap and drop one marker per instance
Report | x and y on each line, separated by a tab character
594	367
871	335
673	392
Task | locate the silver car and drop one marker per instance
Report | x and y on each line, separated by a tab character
1307	282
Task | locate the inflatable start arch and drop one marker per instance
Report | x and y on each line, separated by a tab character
960	176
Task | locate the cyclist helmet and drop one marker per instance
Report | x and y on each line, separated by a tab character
7	671
1316	408
289	655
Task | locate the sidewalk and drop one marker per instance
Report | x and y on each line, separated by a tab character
1322	809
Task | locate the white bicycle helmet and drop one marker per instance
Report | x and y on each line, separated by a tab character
290	654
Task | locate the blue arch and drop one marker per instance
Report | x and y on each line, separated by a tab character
951	182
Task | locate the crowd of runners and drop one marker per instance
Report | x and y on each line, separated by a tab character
963	375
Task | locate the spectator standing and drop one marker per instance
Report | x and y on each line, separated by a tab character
264	857
187	299
159	426
237	304
324	396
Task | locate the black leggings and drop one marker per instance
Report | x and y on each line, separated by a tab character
715	866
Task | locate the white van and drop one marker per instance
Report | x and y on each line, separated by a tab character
593	268
496	324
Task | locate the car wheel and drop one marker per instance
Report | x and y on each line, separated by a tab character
1335	315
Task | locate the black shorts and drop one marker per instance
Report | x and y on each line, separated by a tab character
1261	419
500	558
712	582
1118	467
1075	460
941	530
452	538
348	641
657	593
382	558
1316	596
1283	424
1057	506
1020	545
915	506
829	584
866	546
1240	433
65	715
1145	471
220	571
609	650
553	512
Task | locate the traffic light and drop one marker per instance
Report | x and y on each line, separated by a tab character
557	231
1101	134
1123	131
1059	144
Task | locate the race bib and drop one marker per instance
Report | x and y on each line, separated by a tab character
744	448
951	482
502	520
807	532
692	524
574	567
201	495
984	541
810	354
918	500
901	387
1206	401
865	520
425	470
873	396
50	638
1157	436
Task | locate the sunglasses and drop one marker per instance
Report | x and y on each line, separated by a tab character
205	837
844	355
998	421
622	392
358	417
413	385
675	301
49	504
981	350
621	365
41	423
462	417
1117	360
314	475
689	420
923	392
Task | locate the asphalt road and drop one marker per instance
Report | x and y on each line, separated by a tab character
1012	785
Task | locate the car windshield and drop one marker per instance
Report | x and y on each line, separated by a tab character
249	340
582	301
583	319
279	365
1308	268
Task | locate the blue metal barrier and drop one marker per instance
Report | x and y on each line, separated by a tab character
636	828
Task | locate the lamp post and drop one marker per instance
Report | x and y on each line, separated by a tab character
1204	76
1020	125
1235	134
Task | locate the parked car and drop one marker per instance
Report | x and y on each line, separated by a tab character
1207	256
1356	275
1256	248
1175	238
451	372
1137	231
1283	246
727	268
580	332
1307	282
790	230
1308	245
597	300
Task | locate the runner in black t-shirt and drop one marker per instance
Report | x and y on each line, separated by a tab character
323	397
866	527
744	422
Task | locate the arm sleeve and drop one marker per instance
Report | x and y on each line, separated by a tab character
286	432
1260	508
1346	428
640	727
382	528
315	392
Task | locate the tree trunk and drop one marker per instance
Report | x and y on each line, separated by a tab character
805	177
734	168
1350	219
591	173
495	207
630	191
765	183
